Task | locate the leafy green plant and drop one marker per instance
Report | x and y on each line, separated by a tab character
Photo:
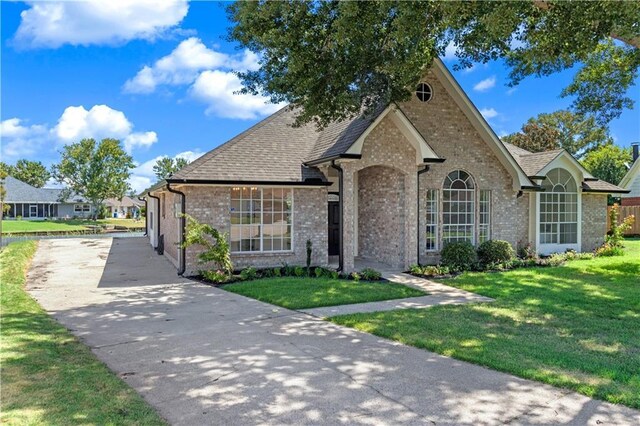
370	274
355	276
616	235
289	270
608	249
495	251
215	276
459	256
216	251
277	272
319	272
299	271
248	273
334	275
415	269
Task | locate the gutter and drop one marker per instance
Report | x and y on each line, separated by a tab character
157	217
314	182
341	204
426	169
183	265
146	226
332	158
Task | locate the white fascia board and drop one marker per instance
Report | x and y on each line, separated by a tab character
628	179
565	160
520	179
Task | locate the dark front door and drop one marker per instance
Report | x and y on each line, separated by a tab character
334	228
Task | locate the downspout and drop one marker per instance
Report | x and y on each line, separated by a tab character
341	204
183	265
157	217
146	226
426	169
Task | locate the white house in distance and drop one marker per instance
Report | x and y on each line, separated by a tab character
127	208
631	181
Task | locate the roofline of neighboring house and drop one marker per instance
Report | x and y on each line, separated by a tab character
626	180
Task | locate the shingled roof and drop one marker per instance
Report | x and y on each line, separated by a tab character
21	192
533	162
275	151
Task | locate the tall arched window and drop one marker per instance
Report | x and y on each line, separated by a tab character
458	208
559	209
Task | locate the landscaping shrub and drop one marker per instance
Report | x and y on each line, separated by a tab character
277	272
248	273
415	269
217	251
355	276
215	276
289	271
459	256
319	272
608	249
334	275
526	251
370	274
495	251
299	271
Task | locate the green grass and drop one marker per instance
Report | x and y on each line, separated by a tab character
48	376
72	225
304	293
576	326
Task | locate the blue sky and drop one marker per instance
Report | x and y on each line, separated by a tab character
159	76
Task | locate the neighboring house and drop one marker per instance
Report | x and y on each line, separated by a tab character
126	208
631	181
392	187
29	202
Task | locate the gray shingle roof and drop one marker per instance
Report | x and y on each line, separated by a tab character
273	150
125	202
602	186
21	192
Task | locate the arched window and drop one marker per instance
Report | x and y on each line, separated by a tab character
559	209
458	208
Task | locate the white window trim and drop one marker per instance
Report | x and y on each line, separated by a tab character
32	206
489	213
262	251
474	224
436	224
547	249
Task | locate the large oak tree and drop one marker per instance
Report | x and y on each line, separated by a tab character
332	58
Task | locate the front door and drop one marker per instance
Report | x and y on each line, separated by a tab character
334	228
33	211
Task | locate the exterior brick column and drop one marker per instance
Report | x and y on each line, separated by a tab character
349	211
411	218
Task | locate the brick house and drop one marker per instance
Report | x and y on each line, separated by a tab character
392	187
631	181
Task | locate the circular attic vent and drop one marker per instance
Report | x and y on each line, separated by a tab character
424	92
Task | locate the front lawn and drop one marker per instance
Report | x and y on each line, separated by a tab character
575	326
71	225
304	293
48	376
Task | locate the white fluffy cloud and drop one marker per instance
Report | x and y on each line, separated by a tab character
100	122
21	140
218	89
486	84
75	123
210	77
488	113
55	23
143	175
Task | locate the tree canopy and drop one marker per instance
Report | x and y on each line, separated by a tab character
95	171
561	129
32	172
608	163
332	58
166	166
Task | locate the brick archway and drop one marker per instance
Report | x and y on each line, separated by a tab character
381	215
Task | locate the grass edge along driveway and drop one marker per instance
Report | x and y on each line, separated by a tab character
305	293
576	326
48	376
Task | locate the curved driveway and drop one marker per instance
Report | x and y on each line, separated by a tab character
201	355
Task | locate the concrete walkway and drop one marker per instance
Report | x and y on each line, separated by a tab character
201	355
438	294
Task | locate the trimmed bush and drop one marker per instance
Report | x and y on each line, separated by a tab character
494	252
215	276
370	274
277	272
299	271
355	276
459	256
249	273
319	272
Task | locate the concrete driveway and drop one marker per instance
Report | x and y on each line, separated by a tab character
201	355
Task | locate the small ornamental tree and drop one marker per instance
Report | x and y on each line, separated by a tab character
616	236
214	242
